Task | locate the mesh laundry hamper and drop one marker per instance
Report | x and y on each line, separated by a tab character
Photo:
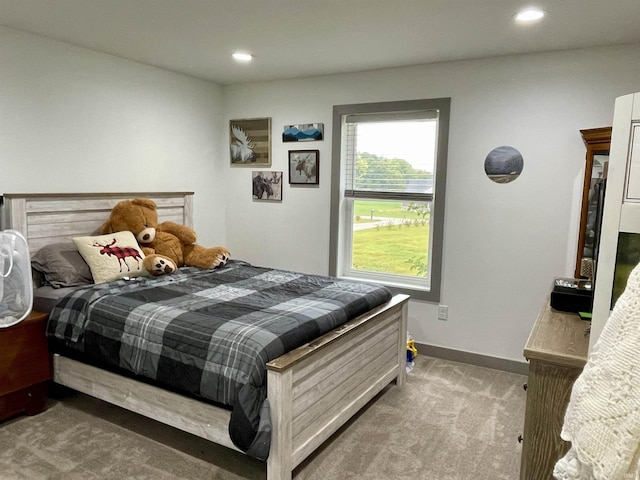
16	287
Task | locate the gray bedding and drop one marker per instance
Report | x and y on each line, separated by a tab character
46	297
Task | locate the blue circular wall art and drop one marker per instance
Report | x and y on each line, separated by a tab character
503	164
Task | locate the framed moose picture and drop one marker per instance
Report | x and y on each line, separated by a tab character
250	142
304	167
266	185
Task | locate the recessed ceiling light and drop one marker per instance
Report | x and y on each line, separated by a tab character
529	15
242	57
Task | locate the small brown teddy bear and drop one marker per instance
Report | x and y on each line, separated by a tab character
166	245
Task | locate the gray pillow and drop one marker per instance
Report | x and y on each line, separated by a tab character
62	265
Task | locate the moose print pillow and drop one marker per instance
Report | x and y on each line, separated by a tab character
112	256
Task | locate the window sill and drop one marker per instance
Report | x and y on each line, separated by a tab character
416	293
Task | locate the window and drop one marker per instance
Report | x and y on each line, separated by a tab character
387	198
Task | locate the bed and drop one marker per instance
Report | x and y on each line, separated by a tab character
312	390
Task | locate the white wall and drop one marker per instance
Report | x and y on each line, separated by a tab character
74	120
503	243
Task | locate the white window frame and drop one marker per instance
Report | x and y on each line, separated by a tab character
342	208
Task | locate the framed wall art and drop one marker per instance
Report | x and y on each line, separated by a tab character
503	164
250	142
266	185
304	167
305	132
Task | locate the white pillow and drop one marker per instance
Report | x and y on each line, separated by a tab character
112	256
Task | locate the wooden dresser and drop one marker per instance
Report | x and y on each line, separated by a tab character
25	367
557	351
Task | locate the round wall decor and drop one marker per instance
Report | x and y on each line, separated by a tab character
503	164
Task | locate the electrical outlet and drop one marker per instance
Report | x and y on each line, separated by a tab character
443	312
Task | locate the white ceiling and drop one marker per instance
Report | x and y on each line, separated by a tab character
299	38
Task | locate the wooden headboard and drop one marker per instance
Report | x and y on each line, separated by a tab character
46	218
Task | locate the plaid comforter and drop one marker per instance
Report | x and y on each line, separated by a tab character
209	333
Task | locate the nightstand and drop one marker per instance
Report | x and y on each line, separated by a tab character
25	366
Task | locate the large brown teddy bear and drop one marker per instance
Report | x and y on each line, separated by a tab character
166	245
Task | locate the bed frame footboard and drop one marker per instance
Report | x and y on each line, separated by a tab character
320	386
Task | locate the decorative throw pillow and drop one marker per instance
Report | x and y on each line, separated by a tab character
112	256
62	265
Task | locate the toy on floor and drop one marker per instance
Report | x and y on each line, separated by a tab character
412	353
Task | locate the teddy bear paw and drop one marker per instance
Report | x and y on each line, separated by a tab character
159	265
220	261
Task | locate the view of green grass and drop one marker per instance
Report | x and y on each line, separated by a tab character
363	209
391	248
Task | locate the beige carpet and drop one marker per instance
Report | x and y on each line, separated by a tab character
450	422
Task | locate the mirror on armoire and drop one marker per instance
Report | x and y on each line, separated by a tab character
597	141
